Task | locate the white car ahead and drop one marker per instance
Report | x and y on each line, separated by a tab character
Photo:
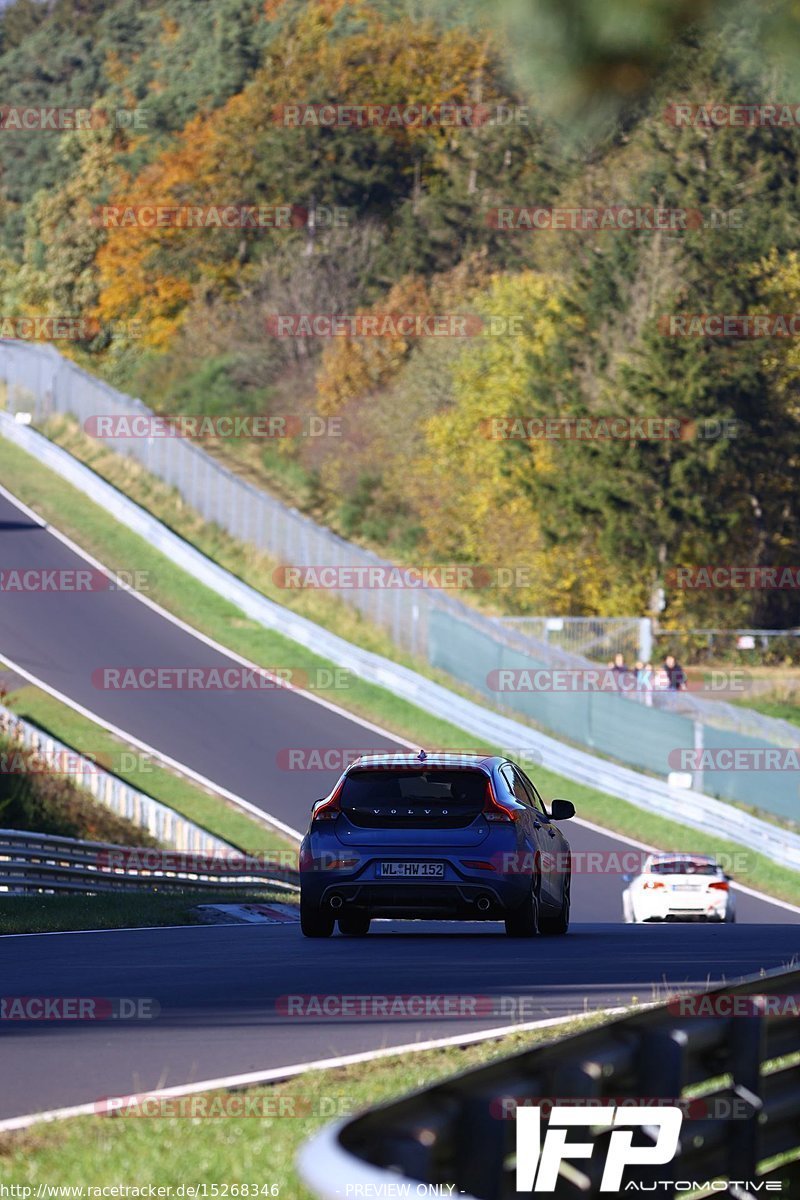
678	887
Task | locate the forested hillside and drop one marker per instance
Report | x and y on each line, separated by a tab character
406	221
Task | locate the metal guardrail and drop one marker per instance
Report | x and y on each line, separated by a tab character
34	863
461	1133
686	806
168	827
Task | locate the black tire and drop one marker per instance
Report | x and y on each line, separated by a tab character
523	922
354	924
315	923
558	925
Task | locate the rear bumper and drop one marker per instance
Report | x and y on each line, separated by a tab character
475	901
465	891
700	912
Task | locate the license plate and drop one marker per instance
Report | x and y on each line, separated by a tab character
686	887
412	870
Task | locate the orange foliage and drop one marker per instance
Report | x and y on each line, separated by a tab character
151	274
130	286
353	367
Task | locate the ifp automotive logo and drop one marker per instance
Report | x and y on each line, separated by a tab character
539	1160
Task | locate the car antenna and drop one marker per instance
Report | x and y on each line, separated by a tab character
421	756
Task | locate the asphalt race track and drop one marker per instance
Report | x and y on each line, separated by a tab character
232	738
217	987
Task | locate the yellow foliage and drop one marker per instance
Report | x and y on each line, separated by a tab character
470	487
169	28
778	276
115	69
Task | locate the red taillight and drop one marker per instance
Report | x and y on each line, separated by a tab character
331	809
494	809
720	885
477	864
653	883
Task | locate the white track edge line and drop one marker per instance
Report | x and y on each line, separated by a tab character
4	937
231	1082
195	633
264	817
253	1078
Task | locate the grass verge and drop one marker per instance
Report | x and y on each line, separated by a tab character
169	1150
117	910
785	710
75	515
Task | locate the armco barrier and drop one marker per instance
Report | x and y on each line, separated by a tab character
35	863
733	1076
638	729
688	807
167	826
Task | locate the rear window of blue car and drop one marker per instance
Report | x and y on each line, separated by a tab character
461	790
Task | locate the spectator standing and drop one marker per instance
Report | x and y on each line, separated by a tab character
675	674
621	673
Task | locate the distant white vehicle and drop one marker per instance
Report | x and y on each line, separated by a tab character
679	887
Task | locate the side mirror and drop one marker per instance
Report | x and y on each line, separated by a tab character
627	878
562	810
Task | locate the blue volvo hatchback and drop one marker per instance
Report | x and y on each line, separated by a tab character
431	837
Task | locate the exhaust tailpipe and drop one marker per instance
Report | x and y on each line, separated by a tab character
484	903
336	901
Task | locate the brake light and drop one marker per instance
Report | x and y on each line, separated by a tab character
494	809
653	883
720	885
332	807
